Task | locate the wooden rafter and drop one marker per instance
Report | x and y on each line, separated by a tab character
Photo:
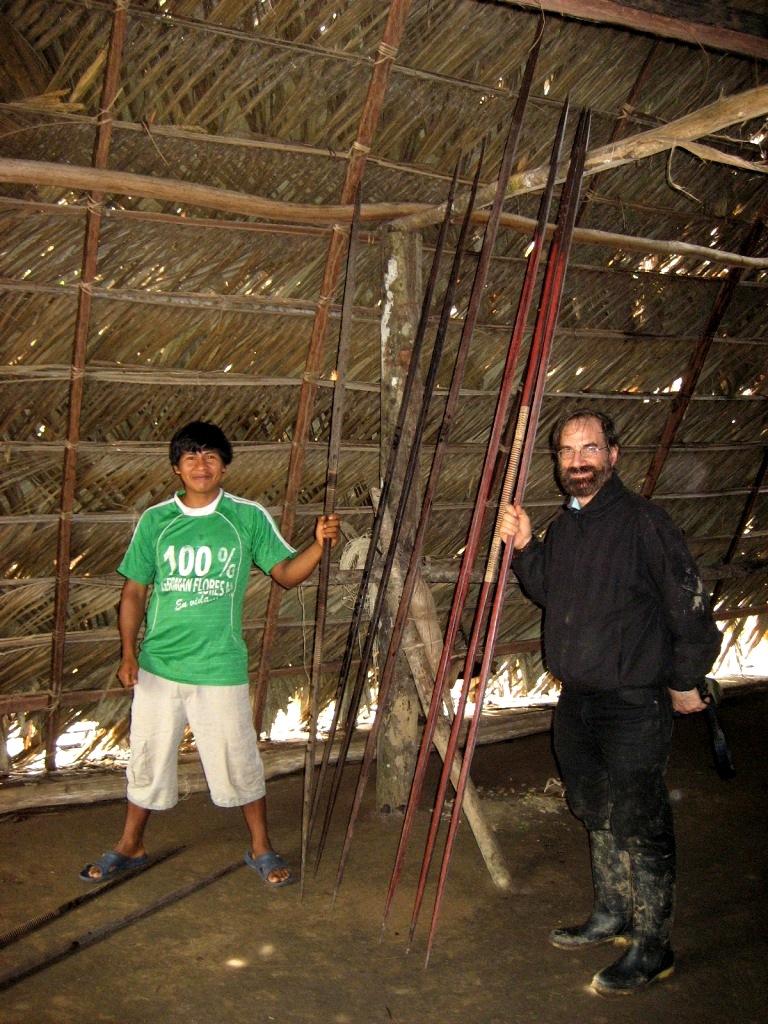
696	363
398	214
654	22
746	514
713	118
619	129
405	216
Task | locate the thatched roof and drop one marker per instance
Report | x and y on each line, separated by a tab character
177	180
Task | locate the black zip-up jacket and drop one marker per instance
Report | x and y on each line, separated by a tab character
624	605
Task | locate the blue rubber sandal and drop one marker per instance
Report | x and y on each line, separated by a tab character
112	864
266	864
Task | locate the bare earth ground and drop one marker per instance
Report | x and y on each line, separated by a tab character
235	952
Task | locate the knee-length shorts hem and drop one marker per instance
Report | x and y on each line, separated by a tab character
221	720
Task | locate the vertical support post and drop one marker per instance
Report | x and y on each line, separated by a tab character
5	761
399	737
77	369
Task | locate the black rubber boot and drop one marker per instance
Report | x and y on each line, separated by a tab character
649	957
611	917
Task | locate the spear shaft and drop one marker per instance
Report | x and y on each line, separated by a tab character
410	470
473	538
478	284
398	518
392	463
551	300
331	486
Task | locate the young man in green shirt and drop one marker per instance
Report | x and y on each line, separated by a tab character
195	550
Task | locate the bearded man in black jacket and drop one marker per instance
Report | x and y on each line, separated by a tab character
628	631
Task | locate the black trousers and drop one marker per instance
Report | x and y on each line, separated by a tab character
612	750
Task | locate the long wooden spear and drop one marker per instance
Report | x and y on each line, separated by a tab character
331	486
517	470
413	457
392	462
449	412
475	529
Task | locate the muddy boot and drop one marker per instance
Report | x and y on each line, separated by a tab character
611	917
649	957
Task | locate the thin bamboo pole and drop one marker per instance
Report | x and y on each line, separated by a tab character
475	529
478	284
331	486
82	326
369	119
519	472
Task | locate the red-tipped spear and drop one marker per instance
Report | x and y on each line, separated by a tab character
331	484
475	530
449	412
551	300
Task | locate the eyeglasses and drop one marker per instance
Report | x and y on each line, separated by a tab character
588	451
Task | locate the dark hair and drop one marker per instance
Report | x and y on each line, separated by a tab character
585	413
200	436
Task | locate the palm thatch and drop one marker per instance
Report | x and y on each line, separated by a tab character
176	180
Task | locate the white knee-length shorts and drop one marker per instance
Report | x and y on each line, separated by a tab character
219	717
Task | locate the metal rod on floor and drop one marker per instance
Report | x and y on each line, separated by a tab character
33	925
104	931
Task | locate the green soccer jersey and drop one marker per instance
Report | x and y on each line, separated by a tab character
198	561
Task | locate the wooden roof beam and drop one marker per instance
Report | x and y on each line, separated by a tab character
746	515
683	132
656	18
82	326
297	216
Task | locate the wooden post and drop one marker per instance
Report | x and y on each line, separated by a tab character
76	386
399	737
5	761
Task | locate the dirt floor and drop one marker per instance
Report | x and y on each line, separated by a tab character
235	952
